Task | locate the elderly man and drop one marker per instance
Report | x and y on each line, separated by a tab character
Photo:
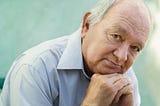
89	68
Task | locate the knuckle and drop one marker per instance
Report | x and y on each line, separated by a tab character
123	81
128	79
114	89
131	87
110	89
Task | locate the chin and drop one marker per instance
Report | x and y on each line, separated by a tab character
105	71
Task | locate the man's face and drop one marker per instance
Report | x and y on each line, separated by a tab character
111	45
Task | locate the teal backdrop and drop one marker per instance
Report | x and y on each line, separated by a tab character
26	23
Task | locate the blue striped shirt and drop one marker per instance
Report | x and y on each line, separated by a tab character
51	74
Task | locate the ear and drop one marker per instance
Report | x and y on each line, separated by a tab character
85	25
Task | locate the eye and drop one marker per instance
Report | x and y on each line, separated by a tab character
135	48
116	37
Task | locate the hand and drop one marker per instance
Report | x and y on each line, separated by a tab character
104	90
125	96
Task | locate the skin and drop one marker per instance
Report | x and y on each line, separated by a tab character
105	90
112	44
109	48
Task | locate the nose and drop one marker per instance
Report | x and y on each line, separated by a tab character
121	53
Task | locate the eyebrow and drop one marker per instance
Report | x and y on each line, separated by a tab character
117	29
121	29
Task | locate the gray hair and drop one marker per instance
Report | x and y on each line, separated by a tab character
98	12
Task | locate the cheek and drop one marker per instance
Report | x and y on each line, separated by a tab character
128	63
93	53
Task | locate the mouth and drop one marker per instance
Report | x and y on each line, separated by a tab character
113	65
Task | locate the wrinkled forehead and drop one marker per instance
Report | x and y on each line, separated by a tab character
130	12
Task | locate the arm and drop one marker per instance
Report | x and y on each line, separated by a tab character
30	88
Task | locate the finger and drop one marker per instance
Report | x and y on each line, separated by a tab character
120	84
126	90
108	77
124	77
112	75
118	77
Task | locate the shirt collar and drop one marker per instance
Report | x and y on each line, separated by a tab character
72	55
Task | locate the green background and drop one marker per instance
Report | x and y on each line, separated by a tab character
26	23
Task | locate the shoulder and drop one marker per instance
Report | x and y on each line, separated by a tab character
44	53
40	60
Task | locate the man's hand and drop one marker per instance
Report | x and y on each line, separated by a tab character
124	97
109	90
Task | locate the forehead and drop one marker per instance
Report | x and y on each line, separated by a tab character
134	12
128	17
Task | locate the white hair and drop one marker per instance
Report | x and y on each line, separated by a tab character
98	12
101	8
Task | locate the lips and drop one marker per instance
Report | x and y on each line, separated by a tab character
112	64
